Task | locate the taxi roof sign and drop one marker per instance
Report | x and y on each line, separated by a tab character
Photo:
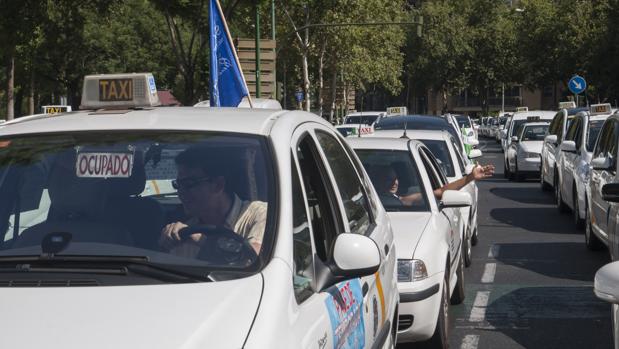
522	109
567	105
392	111
597	109
119	91
55	109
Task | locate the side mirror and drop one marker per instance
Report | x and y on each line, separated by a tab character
473	142
610	192
601	163
606	283
355	256
551	139
475	153
568	146
514	138
455	198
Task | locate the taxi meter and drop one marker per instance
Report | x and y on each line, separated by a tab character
522	109
119	91
598	109
567	105
393	111
55	109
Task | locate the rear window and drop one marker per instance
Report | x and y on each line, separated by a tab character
396	178
463	121
361	119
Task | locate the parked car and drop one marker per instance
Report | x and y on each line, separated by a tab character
550	149
512	126
523	154
302	253
573	162
430	260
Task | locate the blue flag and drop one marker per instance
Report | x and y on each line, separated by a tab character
227	83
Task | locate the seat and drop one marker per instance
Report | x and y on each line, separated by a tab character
77	206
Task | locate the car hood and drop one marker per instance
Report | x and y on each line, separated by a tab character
532	146
199	315
408	227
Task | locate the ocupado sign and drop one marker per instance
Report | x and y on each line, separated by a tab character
104	165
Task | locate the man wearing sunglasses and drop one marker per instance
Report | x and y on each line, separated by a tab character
208	199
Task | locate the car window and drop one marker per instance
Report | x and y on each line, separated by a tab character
595	126
441	153
365	181
351	191
320	198
554	124
534	133
432	172
603	142
578	135
571	132
459	156
302	244
113	193
396	178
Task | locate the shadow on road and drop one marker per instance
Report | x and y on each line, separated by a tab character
536	219
525	195
552	317
560	260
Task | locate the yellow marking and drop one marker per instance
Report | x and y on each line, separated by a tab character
381	295
156	187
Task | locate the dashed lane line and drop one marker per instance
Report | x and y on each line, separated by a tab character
494	251
489	272
470	341
478	312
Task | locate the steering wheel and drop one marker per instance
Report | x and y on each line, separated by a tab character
222	245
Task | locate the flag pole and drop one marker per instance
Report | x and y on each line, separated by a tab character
236	57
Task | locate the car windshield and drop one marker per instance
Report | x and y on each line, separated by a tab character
592	134
396	179
534	133
361	119
113	194
463	121
441	153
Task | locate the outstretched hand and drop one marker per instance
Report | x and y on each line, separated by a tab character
481	172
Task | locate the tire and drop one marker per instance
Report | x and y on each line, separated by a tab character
506	173
440	338
475	237
543	184
561	206
458	296
580	223
592	241
518	177
467	251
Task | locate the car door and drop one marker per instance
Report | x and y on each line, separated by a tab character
359	218
603	148
453	215
549	148
567	162
322	315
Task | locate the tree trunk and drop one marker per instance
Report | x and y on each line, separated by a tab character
306	82
321	64
333	93
31	93
10	86
444	95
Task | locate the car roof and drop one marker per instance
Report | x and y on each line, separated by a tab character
536	124
414	134
241	120
365	113
381	143
574	111
540	113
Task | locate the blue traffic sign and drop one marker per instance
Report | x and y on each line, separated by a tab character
577	84
299	96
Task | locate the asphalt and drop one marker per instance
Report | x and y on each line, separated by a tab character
531	281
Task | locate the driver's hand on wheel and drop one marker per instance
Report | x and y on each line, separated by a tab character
170	236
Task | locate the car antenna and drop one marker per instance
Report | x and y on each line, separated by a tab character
405	135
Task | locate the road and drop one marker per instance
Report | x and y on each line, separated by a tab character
531	281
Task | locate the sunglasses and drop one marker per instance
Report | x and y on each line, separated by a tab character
190	182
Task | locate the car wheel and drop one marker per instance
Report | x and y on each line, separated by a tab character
559	200
543	184
475	237
467	250
517	175
458	296
577	220
440	338
592	241
506	171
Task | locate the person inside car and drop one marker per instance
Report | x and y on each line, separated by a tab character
208	199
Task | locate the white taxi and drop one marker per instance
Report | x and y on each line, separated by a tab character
454	165
513	124
267	234
573	162
430	260
523	154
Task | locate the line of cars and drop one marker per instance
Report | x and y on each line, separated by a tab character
574	152
291	235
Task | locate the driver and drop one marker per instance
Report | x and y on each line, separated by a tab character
209	200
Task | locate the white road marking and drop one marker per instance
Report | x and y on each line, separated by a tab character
478	313
470	341
494	251
489	272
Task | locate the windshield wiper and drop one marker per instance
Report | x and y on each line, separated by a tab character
115	265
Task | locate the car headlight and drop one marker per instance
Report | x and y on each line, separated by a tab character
411	270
